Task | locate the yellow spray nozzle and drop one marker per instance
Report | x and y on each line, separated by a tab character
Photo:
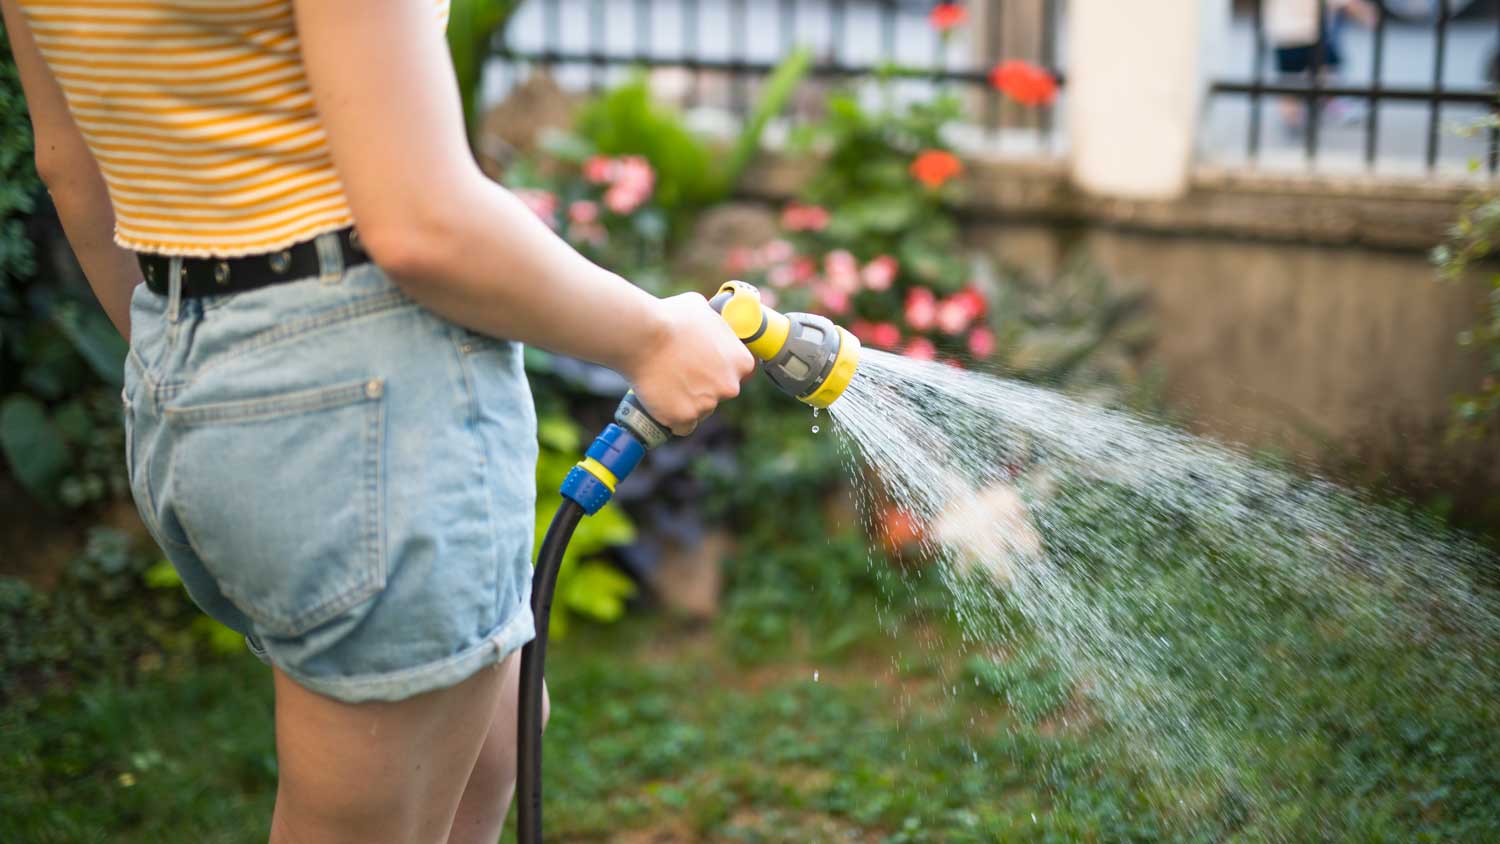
806	355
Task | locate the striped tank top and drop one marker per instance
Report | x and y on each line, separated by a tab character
199	115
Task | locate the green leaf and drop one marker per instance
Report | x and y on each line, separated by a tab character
95	339
559	433
35	451
598	591
162	575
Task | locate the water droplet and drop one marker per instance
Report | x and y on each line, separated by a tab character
815	429
815	676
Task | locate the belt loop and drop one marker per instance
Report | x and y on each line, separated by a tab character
174	287
330	258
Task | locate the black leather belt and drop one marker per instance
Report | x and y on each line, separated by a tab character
214	276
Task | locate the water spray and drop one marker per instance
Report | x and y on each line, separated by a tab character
805	355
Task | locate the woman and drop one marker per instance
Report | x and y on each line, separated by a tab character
323	434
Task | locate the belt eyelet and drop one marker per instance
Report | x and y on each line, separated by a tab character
221	272
151	273
281	261
354	241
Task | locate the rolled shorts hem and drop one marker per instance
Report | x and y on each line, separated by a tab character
410	682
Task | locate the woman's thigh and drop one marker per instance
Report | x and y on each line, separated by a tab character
379	771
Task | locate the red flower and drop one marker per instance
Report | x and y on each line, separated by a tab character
803	269
946	16
934	167
1024	82
862	330
740	258
885	335
920	348
804	218
973	302
921	309
600	169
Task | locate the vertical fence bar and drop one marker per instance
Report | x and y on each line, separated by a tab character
837	11
1314	111
691	48
1377	82
1492	74
642	21
551	32
786	25
738	23
993	18
1258	74
596	44
1049	61
1435	94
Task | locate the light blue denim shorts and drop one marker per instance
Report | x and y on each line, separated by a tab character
339	474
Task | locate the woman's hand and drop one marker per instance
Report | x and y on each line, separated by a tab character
689	362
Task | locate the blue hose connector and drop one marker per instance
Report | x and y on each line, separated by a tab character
613	455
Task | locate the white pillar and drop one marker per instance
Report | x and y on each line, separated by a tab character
1136	80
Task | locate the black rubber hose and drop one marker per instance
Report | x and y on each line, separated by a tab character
533	658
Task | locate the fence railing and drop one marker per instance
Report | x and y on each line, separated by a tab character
1403	92
713	54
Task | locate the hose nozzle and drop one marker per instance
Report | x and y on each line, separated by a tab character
805	355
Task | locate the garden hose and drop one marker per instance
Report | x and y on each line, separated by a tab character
805	355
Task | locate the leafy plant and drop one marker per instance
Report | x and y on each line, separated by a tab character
691	174
472	27
60	357
1472	243
585	586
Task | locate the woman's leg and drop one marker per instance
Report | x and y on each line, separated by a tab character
492	783
378	772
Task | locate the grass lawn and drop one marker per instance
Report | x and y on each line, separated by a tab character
659	734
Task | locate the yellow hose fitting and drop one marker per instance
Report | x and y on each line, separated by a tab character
844	366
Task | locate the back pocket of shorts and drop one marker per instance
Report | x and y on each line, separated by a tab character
282	498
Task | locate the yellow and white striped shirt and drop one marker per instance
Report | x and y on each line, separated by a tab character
200	117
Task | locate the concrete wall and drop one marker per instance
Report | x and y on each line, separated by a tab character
1296	314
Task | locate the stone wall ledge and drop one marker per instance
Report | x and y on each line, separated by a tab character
1406	215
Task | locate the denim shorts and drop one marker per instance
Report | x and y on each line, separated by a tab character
339	474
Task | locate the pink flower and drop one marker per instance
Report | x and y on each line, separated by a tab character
804	269
636	173
921	308
880	273
981	342
861	329
781	275
777	251
953	315
542	203
583	211
588	233
843	270
739	259
623	199
920	348
885	335
769	298
833	300
600	169
804	218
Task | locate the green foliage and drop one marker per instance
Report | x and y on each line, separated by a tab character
1472	246
117	610
473	26
691	174
586	588
60	358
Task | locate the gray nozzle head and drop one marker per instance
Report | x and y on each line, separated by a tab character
804	363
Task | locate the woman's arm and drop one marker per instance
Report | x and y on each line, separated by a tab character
466	247
72	178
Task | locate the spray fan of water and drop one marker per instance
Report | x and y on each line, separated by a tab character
1210	609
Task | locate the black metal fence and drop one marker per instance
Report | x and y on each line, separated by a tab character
1425	70
721	50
